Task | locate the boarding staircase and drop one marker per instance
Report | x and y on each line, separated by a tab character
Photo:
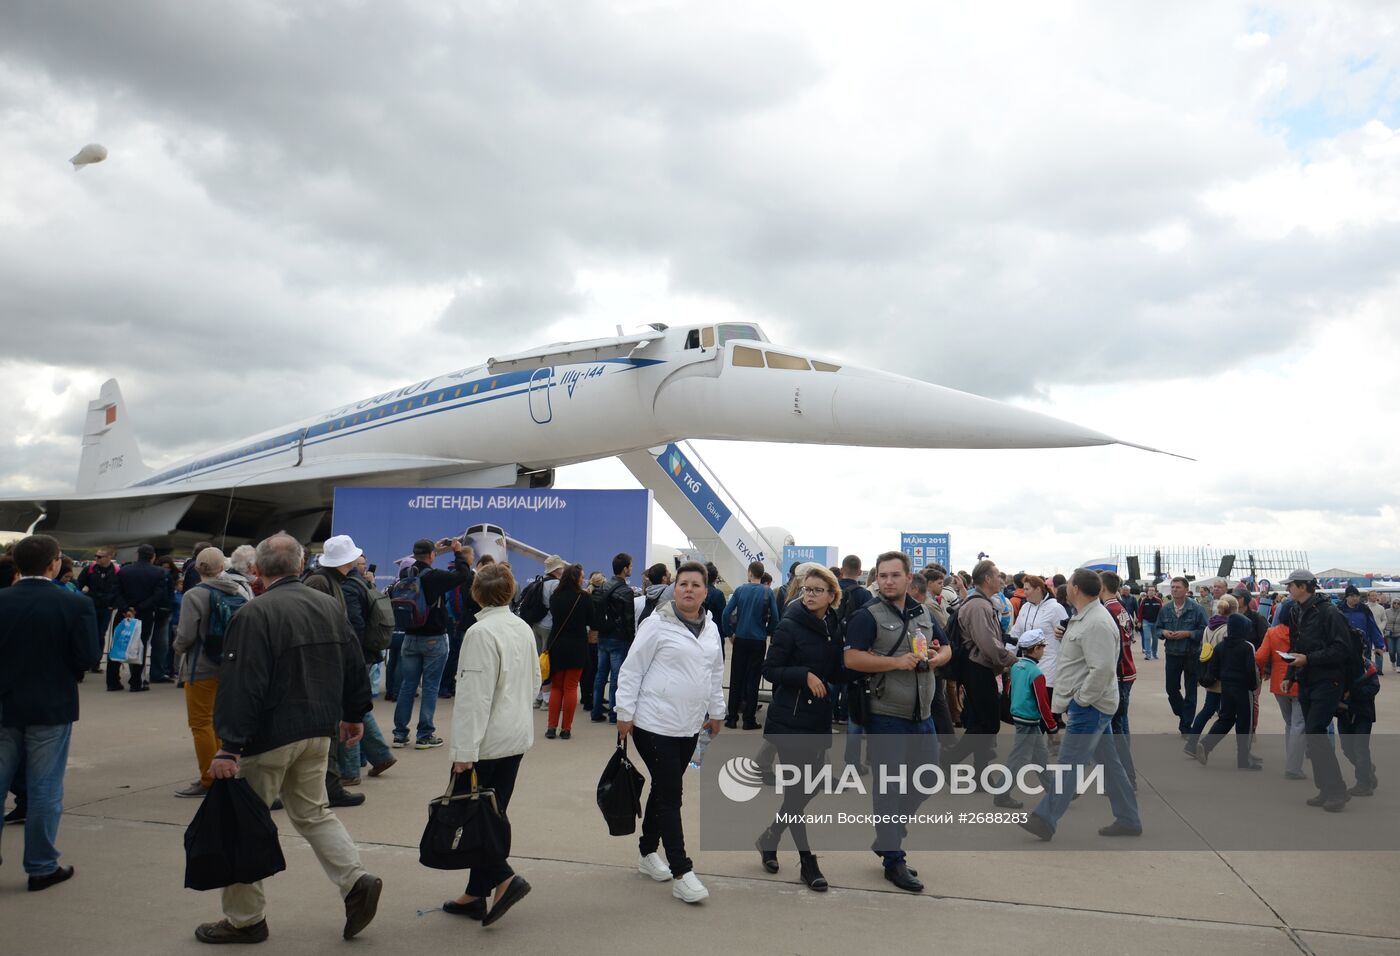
696	500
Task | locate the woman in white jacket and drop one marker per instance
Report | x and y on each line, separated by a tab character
670	684
1041	611
493	725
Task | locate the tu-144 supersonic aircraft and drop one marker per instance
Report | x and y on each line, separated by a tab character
509	423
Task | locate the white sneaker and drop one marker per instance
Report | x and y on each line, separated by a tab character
653	866
689	888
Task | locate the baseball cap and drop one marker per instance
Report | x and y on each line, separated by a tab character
1031	638
1301	576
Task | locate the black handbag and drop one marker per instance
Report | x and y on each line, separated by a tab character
620	792
231	839
464	830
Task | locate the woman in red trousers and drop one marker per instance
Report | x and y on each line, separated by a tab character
568	649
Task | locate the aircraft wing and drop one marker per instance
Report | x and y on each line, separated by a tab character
572	353
285	489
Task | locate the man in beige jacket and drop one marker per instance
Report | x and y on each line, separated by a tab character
1086	692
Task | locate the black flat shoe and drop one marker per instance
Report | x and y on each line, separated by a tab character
37	883
514	893
900	876
769	858
1116	829
566	735
812	874
550	733
476	909
1034	823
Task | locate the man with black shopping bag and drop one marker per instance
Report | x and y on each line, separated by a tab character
292	671
231	839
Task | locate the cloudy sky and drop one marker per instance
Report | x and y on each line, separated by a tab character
1177	224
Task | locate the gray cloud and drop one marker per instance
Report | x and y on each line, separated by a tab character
956	211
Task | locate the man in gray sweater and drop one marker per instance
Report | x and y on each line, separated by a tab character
1086	692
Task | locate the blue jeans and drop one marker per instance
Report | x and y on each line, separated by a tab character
371	747
853	734
162	653
44	748
1119	728
895	742
1088	740
1393	643
391	666
420	659
611	653
1208	710
1149	639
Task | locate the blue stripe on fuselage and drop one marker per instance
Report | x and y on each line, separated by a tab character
445	398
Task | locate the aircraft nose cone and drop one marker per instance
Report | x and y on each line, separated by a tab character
906	413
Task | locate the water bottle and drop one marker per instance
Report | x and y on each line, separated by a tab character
700	746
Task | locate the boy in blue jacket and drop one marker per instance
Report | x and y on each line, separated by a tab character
1030	711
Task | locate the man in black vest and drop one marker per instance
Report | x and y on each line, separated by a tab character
890	639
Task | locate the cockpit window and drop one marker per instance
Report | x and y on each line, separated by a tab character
825	366
707	337
728	331
745	357
692	340
795	362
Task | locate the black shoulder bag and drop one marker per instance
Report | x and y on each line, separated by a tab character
858	690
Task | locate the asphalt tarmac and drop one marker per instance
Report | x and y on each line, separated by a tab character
122	829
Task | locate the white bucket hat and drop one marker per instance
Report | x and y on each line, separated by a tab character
338	551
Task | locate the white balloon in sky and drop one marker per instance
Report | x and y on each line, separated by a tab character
91	153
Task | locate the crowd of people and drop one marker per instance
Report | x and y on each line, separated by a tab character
277	657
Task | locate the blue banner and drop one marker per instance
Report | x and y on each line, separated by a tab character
519	526
926	549
688	480
825	555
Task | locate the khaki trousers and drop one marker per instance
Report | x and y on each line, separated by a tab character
199	709
296	772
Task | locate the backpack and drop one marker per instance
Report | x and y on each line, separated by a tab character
529	604
956	668
222	607
607	612
648	606
379	619
409	602
1358	663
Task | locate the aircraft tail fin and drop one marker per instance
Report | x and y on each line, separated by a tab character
110	457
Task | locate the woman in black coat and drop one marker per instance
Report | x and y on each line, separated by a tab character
1239	677
568	648
804	655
